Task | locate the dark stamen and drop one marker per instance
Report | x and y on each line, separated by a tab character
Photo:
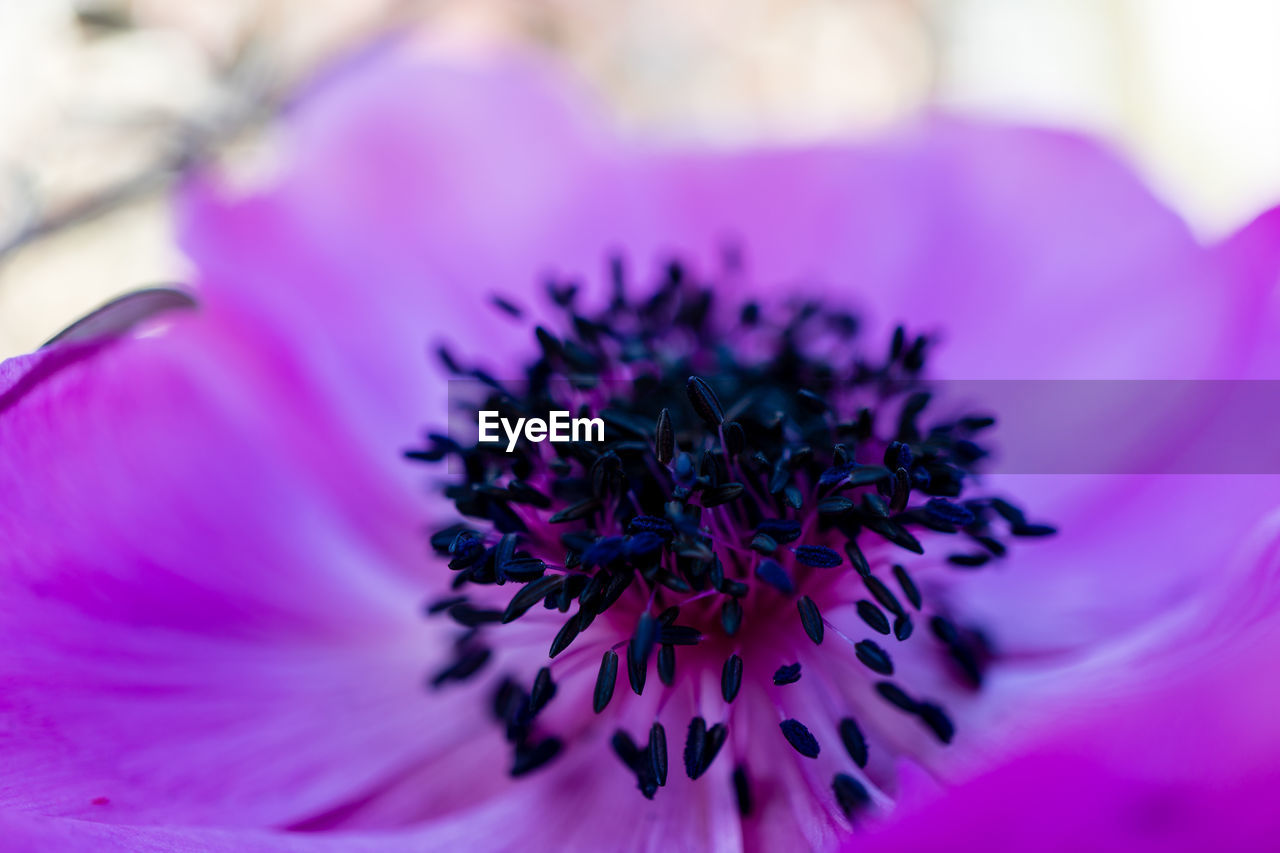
679	635
772	573
731	616
901	490
638	761
637	671
444	604
857	558
881	593
811	619
695	747
469	617
781	530
466	665
851	795
763	543
742	790
650	524
658	753
965	657
722	494
566	635
873	616
605	680
638	650
855	743
705	402
875	658
937	721
575	512
908	586
818	556
787	674
731	678
896	696
800	739
716	736
543	690
952	513
969	561
735	439
530	758
834	506
664	441
667	665
897	455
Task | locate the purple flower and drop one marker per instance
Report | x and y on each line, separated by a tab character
217	557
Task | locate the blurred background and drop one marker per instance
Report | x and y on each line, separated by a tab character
105	101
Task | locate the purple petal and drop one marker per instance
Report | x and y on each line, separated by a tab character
413	194
1251	261
207	613
1183	759
1036	253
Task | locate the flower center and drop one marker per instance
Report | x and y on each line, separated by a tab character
746	522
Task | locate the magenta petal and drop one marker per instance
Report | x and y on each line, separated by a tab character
1131	549
195	625
1251	259
1140	547
415	191
463	176
413	194
1068	801
1184	759
30	833
26	832
1037	253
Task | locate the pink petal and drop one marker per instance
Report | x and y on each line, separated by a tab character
1037	253
1129	549
413	193
1180	760
23	832
1251	258
207	610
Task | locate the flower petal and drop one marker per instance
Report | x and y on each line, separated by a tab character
1129	549
1252	258
1036	253
1178	759
32	832
1031	253
413	193
206	614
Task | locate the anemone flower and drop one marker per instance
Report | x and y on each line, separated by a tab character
236	616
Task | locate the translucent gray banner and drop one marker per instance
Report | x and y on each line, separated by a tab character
1042	426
